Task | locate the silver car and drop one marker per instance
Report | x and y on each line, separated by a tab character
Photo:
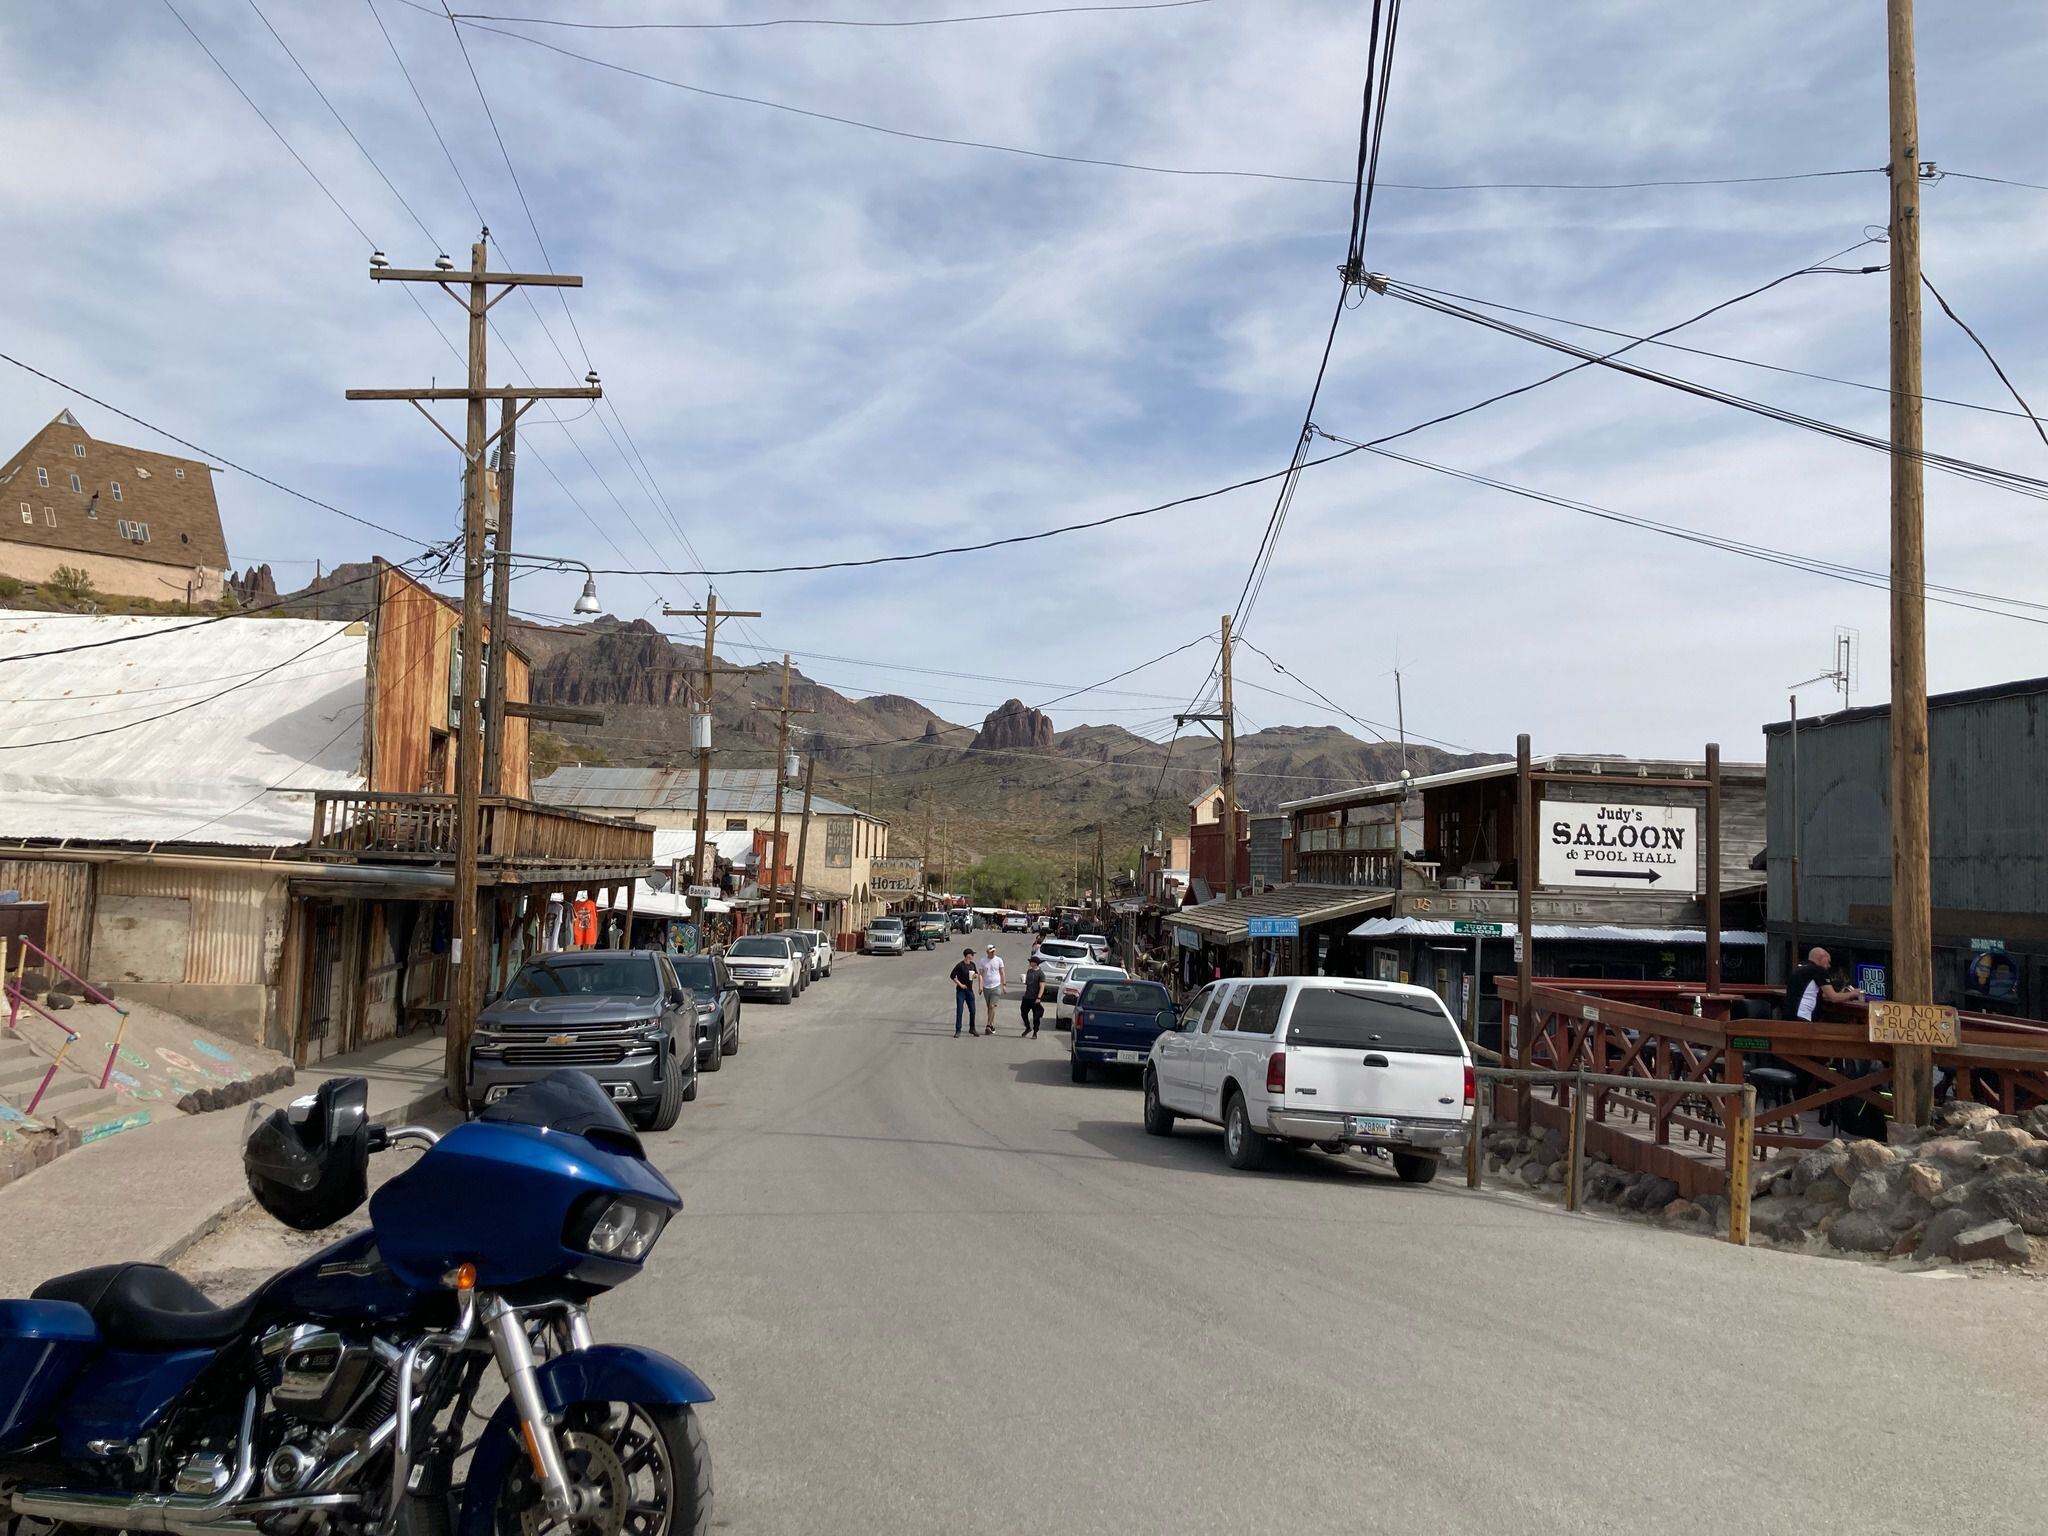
883	936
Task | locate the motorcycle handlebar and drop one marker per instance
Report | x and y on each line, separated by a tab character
384	1138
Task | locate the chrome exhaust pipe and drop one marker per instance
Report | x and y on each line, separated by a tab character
153	1512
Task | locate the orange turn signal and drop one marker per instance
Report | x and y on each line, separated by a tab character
461	1278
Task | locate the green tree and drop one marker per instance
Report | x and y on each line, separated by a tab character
71	584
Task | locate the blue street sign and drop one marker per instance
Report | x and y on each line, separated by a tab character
1272	927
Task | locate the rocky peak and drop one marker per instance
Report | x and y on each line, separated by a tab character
615	663
1015	727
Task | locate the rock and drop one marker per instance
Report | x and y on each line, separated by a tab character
1924	1180
1554	1173
1494	1164
1683	1211
1779	1219
1015	727
1960	1116
1904	1137
2036	1120
1531	1174
1859	1232
2021	1198
1870	1191
1606	1184
1650	1193
1870	1154
2004	1140
36	981
1941	1231
1909	1240
1817	1165
66	984
1954	1149
2001	1241
1828	1191
1955	1195
59	1001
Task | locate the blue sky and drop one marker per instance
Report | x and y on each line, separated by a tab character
830	344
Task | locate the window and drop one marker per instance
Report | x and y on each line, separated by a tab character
28	513
561	976
1262	1010
42	477
121	526
1346	1020
735	823
77	486
117	490
1233	1012
184	538
50	516
78	450
177	473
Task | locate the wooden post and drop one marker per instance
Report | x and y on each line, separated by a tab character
803	836
501	599
1475	1153
632	903
1739	1143
1229	776
1525	943
781	776
1912	975
1713	857
1575	1148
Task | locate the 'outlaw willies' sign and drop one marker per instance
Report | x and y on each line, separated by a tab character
1618	847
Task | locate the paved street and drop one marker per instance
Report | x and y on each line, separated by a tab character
940	1288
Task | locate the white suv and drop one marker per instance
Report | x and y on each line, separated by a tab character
821	951
768	965
1331	1062
1061	956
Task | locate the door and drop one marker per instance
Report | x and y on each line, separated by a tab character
1375	1051
320	1015
1215	1047
1178	1076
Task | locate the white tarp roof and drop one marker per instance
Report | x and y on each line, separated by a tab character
185	731
672	843
1442	928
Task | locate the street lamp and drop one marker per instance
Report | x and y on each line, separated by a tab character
586	601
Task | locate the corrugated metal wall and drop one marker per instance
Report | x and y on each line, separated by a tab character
230	909
68	888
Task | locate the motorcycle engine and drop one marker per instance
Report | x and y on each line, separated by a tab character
313	1373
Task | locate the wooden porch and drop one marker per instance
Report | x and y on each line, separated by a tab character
420	829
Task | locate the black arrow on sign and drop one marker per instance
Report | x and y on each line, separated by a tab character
1648	875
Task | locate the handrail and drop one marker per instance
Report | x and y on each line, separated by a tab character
16	997
1738	1140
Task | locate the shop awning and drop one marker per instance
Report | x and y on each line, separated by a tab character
1223	922
1600	933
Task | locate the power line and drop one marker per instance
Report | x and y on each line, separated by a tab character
2011	388
821	21
447	153
1998	180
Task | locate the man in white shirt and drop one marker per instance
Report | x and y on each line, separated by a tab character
991	983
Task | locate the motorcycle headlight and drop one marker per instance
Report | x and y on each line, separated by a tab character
624	1229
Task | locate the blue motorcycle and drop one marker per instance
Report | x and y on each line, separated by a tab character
344	1397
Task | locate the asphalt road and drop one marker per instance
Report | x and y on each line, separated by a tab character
939	1288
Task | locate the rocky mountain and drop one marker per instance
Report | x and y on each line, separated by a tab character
1014	727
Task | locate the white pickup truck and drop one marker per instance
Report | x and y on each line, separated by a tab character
1330	1062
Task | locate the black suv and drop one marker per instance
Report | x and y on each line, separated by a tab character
718	1006
620	1015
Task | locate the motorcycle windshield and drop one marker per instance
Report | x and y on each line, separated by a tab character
566	1101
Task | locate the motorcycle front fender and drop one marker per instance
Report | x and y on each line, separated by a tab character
604	1373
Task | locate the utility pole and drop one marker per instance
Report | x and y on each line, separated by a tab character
1400	717
1229	775
501	600
710	614
1912	979
1101	885
782	712
803	835
929	864
464	951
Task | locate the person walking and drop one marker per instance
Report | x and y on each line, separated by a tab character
991	984
1032	1010
965	978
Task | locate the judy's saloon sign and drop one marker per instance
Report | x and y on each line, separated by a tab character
1586	845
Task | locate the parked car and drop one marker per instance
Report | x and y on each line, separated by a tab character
1041	924
883	936
767	965
917	936
1061	956
1330	1062
710	982
1116	1022
807	949
1096	942
821	951
963	920
1069	992
621	1016
933	928
1016	922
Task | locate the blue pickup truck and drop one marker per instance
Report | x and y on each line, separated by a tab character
1115	1023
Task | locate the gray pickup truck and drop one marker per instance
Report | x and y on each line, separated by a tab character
622	1016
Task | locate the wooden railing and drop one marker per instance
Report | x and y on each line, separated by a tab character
421	829
1830	1064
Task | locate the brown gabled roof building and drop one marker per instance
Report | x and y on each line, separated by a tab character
138	523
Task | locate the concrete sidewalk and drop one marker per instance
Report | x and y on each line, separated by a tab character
151	1192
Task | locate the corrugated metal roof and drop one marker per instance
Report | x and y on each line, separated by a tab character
1622	770
1443	928
187	732
734	791
1225	920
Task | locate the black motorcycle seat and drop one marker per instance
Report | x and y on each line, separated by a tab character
145	1306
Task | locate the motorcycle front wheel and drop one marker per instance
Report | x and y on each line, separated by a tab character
647	1463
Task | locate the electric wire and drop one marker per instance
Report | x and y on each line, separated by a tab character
2011	388
822	21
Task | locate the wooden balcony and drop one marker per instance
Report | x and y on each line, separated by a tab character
420	829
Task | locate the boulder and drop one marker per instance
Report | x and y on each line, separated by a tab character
1828	1191
1605	1183
1999	1241
1650	1193
1531	1174
1908	1240
2021	1198
1924	1180
1859	1232
1959	1150
1683	1211
2004	1140
1870	1154
2036	1120
1554	1173
1779	1219
1494	1164
59	1001
1961	1116
1952	1197
1871	1191
1817	1165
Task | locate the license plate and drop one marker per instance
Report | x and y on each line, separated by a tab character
1131	1057
1371	1125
